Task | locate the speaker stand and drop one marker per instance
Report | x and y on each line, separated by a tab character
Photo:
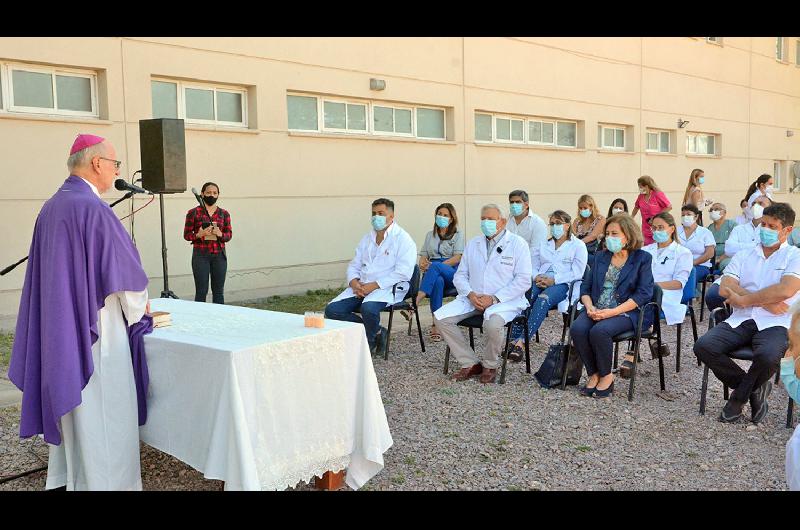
166	293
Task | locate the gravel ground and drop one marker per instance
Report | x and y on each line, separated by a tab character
518	436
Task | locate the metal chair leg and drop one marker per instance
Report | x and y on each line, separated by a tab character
678	349
702	299
537	336
472	339
527	353
505	355
725	392
790	414
419	326
446	359
694	323
616	354
564	373
388	334
634	370
703	391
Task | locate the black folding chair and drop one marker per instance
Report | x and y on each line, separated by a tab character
404	305
743	354
476	322
688	297
711	278
565	317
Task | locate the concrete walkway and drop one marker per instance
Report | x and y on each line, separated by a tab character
9	394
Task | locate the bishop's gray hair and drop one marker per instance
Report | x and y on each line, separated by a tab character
84	156
492	206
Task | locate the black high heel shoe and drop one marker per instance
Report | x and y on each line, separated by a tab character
586	391
604	393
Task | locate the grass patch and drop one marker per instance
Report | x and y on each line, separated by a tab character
451	435
448	391
583	448
6	340
315	300
398	479
410	460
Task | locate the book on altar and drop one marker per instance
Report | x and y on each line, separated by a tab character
161	319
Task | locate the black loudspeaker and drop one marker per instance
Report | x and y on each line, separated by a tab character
162	146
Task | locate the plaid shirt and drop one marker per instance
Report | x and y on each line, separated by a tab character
194	222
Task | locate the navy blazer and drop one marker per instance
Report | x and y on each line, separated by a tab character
635	282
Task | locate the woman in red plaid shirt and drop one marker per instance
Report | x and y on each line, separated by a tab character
208	229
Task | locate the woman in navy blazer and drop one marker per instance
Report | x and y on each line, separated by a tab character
612	292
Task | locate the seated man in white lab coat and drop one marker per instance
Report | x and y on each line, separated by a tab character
385	257
492	278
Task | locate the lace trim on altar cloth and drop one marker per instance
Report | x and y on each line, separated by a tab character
307	472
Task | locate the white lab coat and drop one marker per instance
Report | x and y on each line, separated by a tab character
742	237
568	262
389	263
505	274
674	263
793	461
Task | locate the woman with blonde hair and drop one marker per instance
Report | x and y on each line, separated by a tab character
588	225
651	201
694	193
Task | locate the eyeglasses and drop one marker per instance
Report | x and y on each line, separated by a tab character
117	163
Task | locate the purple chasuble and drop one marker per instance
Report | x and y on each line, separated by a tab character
80	254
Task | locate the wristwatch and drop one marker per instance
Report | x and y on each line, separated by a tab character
496	300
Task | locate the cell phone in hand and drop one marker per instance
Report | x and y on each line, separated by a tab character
205	224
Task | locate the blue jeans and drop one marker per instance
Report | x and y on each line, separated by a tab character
593	340
542	300
713	299
436	279
370	314
702	271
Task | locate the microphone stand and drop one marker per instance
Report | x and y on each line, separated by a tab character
23	260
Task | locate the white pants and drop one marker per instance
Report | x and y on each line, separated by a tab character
100	437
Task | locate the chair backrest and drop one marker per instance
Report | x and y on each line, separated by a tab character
689	288
414	287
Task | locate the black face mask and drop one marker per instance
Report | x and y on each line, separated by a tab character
209	200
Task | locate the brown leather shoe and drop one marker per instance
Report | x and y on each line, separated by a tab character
466	373
488	375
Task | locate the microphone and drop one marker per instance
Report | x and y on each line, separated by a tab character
121	185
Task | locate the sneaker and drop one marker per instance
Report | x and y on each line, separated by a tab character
731	412
758	402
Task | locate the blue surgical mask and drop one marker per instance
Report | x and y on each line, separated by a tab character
516	208
442	221
613	244
378	222
557	231
701	180
660	236
789	378
586	213
769	237
489	227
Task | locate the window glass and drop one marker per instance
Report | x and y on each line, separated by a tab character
402	121
32	89
516	130
165	99
779	47
547	133
335	115
503	129
383	119
664	144
483	127
302	112
534	131
430	123
709	145
199	104
229	107
357	117
620	137
567	134
652	141
608	137
74	93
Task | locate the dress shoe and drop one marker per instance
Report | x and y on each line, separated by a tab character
515	353
604	393
758	402
488	375
731	412
586	391
466	373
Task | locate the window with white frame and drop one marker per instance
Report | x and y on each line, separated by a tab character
48	90
483	127
509	129
329	115
196	103
535	131
714	40
780	48
777	174
612	137
701	144
657	141
797	53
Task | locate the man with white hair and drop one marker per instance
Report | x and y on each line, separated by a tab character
492	278
78	355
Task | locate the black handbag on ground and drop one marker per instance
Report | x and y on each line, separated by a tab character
552	368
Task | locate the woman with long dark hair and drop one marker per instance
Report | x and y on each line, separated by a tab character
439	259
208	228
763	185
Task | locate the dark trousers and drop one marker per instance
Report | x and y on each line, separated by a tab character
713	299
593	340
370	314
768	345
203	265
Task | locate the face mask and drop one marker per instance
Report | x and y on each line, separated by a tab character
688	220
789	378
442	221
613	244
209	200
489	227
660	236
378	222
770	189
586	213
701	180
617	211
758	211
716	215
769	238
516	208
642	191
557	231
